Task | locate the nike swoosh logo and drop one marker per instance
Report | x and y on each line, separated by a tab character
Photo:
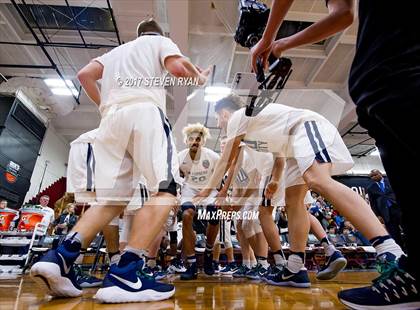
135	286
287	277
66	268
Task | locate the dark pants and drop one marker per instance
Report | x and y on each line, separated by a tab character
392	118
393	225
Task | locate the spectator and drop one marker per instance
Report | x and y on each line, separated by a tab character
349	226
65	222
7	216
383	203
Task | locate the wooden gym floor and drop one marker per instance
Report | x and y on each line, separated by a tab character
204	293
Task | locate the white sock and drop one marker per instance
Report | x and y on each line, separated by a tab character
246	263
263	262
79	259
253	263
391	246
279	259
294	263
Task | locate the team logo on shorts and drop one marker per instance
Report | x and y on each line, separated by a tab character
206	163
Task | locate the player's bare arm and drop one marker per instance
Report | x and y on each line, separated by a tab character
224	163
276	173
88	77
180	66
340	17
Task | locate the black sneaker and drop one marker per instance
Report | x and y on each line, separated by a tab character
190	273
395	288
229	269
256	273
208	264
282	276
86	280
241	272
333	265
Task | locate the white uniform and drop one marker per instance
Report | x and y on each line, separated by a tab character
81	168
196	172
299	135
134	138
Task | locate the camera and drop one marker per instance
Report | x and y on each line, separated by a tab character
252	21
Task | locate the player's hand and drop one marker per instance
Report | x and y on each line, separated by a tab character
203	77
201	195
261	50
271	189
278	47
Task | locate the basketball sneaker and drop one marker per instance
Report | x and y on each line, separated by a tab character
241	272
86	280
229	269
56	270
208	264
395	288
176	266
257	272
155	272
190	273
333	265
282	276
130	284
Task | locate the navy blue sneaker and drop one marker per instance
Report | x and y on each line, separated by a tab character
257	272
395	288
85	280
55	270
282	276
208	264
241	272
229	269
190	273
155	272
130	284
333	265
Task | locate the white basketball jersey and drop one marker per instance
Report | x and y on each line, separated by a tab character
198	172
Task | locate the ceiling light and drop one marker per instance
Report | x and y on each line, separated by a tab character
61	88
375	152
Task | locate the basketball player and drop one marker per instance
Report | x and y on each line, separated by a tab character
196	166
314	151
134	138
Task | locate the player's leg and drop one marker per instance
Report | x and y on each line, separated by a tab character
256	239
188	240
271	233
245	251
111	234
231	266
353	207
151	268
334	260
211	234
298	225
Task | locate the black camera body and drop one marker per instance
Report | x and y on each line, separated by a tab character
252	21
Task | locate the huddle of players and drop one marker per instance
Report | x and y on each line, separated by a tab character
134	142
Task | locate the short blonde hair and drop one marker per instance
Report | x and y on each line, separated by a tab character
196	128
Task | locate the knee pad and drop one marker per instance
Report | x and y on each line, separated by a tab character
187	205
173	237
210	209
